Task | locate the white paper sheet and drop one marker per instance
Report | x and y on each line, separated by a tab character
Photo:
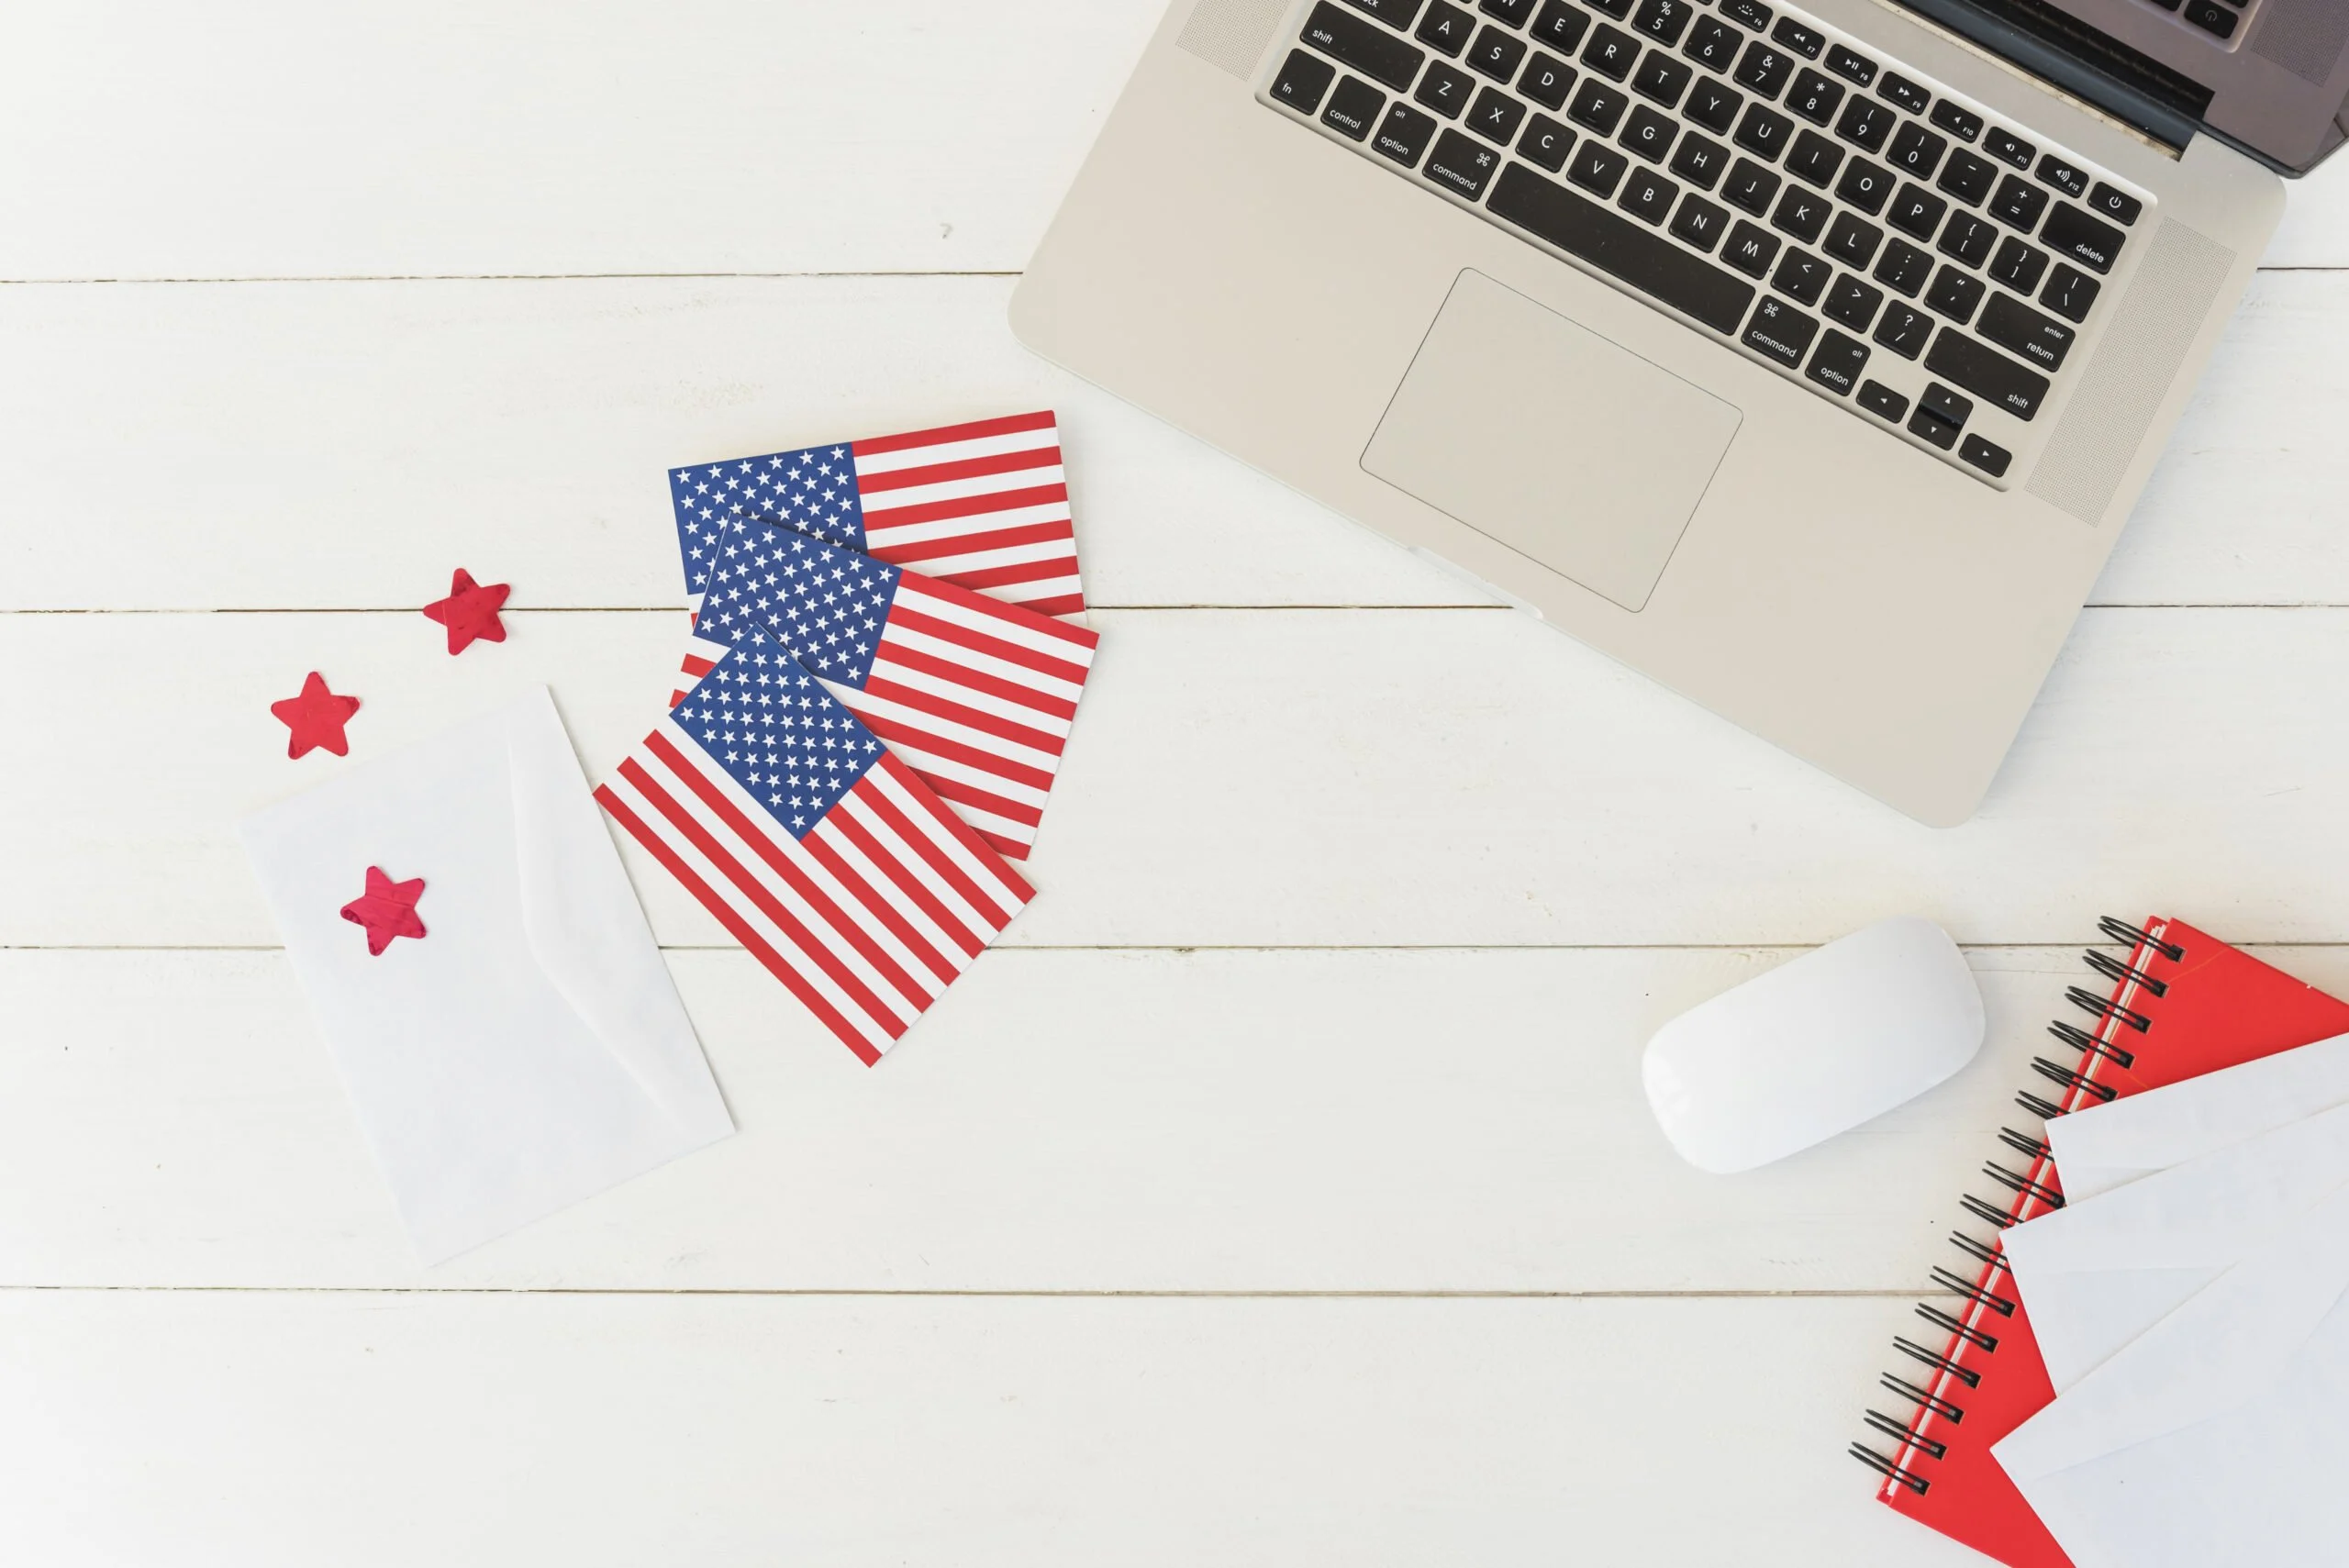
2219	1435
2096	1274
2108	1146
530	1050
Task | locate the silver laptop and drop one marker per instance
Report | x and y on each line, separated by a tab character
1807	358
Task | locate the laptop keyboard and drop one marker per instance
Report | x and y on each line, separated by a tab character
1808	202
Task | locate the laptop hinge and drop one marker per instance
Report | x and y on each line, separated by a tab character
2135	89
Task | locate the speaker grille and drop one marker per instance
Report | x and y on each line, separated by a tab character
1232	34
2304	37
2136	362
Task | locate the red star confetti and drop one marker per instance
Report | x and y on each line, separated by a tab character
387	909
315	718
470	612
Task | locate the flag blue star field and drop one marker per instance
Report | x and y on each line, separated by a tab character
787	819
982	505
977	696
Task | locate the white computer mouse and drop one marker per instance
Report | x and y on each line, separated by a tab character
1816	1046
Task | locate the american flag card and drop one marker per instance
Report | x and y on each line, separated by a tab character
822	853
983	505
978	697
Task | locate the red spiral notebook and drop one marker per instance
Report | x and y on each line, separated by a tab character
2182	1003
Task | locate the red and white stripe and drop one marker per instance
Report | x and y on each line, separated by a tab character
983	505
867	920
978	697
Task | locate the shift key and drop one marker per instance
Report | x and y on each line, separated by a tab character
1986	373
1363	44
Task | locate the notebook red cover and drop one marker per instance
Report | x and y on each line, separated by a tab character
2182	1005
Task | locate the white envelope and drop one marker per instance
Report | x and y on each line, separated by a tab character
2107	1146
2221	1434
530	1050
2096	1274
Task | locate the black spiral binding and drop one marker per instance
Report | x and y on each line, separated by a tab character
1985	1293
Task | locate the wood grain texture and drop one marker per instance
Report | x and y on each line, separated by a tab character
254	1430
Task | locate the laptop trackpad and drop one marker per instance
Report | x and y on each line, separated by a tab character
1545	436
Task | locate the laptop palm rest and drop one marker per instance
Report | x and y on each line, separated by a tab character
1560	444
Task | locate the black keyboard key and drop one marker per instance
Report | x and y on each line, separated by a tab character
1547	80
1747	13
1496	115
1966	177
1866	123
1803	275
1461	166
2017	265
1713	106
1917	212
1599	106
1915	152
1513	12
1805	41
1961	123
1763	131
1446	29
1618	10
2019	203
1801	213
1943	436
1781	332
1663	20
1597	168
1649	134
1713	44
1302	81
1904	331
1494	53
1749	250
2014	325
2075	236
1814	97
1763	69
1750	186
1699	161
1986	373
2007	147
2069	293
1444	90
2211	17
1813	158
1903	268
1940	402
1853	303
1905	93
1883	402
1699	222
1354	108
1990	458
1852	240
1545	142
1403	134
1610	53
2062	176
1368	48
1394	13
1954	294
2118	205
1648	195
1865	186
1968	239
1621	248
1853	67
1560	25
1836	363
1662	78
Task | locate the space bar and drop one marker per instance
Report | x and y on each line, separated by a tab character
1616	245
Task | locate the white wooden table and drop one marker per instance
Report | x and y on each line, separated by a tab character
1280	1191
